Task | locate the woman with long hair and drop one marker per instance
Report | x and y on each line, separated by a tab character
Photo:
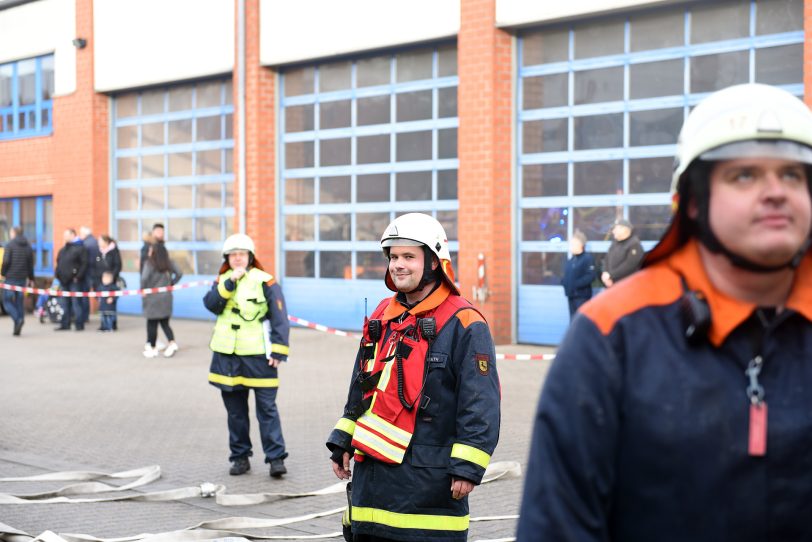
159	270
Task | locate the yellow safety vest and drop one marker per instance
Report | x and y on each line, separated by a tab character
238	329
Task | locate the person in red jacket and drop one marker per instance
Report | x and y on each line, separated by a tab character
422	415
678	405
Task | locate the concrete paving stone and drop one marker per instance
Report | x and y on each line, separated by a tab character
91	401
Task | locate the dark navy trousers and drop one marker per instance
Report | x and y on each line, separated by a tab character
270	425
13	301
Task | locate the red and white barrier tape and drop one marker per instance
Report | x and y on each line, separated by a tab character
117	293
295	319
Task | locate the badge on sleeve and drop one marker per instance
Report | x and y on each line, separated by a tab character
483	364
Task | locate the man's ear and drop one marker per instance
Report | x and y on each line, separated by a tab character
692	210
435	262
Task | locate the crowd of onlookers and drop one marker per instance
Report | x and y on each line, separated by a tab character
87	264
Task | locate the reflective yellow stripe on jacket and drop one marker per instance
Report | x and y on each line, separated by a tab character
469	453
410	521
238	329
243	381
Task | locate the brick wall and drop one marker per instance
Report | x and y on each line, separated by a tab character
72	164
485	135
260	145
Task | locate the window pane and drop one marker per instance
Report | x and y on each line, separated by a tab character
413	185
657	30
448	219
543	267
299	191
447	58
334	227
714	72
208	129
208	229
47	70
179	196
595	222
335	265
27	81
657	127
447	102
180	131
370	265
544	224
334	189
208	162
649	175
335	76
373	149
299	228
208	94
598	131
594	86
6	79
127	168
372	187
228	160
299	263
541	47
47	220
599	39
715	21
180	164
179	229
540	180
152	134
299	154
209	262
776	16
127	230
209	196
334	152
129	259
653	79
152	166
299	81
152	198
373	110
152	102
413	105
447	184
28	217
548	135
126	105
447	143
180	98
126	199
334	114
598	178
228	125
373	71
298	118
650	221
370	226
414	65
126	137
780	65
545	91
413	146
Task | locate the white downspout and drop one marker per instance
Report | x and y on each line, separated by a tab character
241	111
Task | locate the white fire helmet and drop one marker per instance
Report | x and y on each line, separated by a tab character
743	121
418	229
238	241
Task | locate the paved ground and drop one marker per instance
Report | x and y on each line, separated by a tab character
90	401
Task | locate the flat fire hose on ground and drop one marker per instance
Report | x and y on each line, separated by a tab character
207	530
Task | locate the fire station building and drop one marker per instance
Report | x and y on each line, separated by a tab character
310	125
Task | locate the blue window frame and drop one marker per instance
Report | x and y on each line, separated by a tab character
35	216
600	104
26	97
363	140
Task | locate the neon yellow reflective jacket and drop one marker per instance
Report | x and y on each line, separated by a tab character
238	329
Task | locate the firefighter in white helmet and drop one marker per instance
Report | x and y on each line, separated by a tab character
422	416
250	339
654	422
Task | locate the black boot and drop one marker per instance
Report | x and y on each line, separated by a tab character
18	326
239	466
278	468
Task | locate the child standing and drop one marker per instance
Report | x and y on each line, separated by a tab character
107	305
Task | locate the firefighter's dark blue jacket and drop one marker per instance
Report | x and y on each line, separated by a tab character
455	435
640	436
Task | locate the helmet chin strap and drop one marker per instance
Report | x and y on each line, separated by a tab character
712	243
